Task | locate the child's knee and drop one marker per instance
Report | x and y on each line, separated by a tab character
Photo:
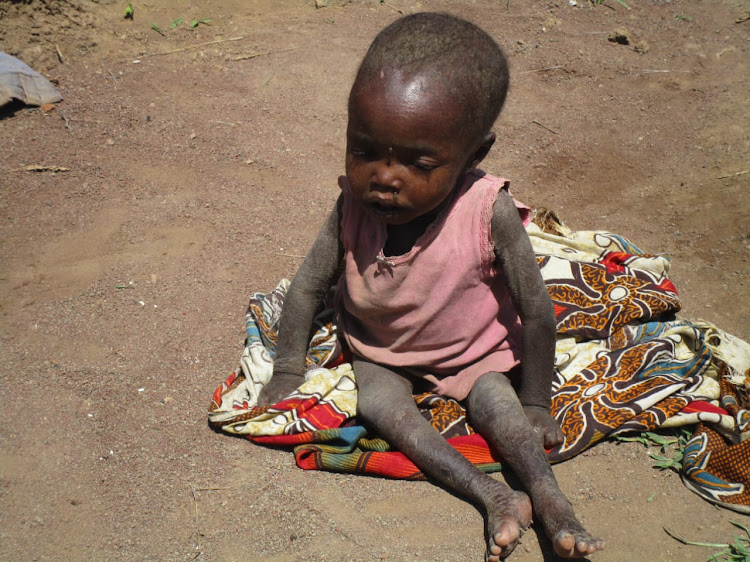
491	388
493	382
380	392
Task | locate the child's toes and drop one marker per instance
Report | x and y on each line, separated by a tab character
578	545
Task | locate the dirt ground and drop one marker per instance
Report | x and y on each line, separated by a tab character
202	162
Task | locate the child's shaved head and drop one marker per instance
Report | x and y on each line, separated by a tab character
453	53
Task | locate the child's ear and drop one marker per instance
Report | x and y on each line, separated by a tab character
483	149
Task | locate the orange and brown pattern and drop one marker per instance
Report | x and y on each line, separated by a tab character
612	393
446	415
717	469
597	299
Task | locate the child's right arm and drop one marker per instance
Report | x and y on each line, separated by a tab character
311	283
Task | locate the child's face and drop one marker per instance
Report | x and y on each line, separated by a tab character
406	149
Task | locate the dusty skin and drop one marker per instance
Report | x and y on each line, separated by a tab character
200	176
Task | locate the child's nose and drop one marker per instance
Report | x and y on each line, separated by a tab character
388	174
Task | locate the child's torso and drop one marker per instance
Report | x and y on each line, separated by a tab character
434	301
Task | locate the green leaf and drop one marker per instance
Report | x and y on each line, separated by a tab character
741	526
639	439
156	28
664	462
694	543
195	23
660	439
175	23
128	14
739	547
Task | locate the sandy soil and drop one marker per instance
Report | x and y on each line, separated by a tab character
201	173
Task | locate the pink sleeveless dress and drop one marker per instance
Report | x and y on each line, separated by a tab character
442	311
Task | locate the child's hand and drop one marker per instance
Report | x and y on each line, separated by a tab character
544	424
280	386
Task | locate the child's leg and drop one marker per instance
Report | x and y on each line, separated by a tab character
497	415
386	404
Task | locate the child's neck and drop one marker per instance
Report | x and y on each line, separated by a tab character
402	237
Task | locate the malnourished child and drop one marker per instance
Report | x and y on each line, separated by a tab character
437	286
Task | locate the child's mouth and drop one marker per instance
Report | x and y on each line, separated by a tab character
383	210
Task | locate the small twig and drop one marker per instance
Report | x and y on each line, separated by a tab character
542	69
290	255
37	168
254	55
84	120
661	71
197	529
734	174
114	79
544	126
67	123
193	46
225	123
251	56
193	491
176	117
391	7
59	54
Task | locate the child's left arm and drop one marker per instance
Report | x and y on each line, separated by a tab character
515	255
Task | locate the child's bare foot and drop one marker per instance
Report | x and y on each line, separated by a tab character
576	542
569	538
508	516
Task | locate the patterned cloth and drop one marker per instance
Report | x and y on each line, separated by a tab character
623	363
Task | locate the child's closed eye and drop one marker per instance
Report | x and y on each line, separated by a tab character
363	153
425	165
369	153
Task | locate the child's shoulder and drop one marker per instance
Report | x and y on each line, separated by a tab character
482	179
491	187
483	188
